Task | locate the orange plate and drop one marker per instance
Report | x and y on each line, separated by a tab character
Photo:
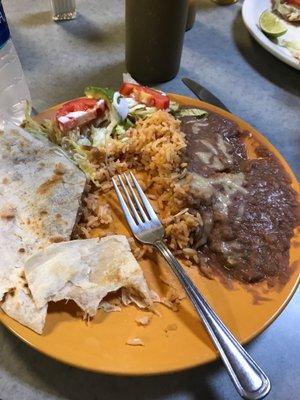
100	346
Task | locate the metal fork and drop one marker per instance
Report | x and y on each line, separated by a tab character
248	378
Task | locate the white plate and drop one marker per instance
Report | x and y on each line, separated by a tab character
251	12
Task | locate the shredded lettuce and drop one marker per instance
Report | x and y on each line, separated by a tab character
173	107
121	107
294	47
121	128
84	141
190	112
117	112
141	111
80	155
120	131
98	136
75	152
47	128
32	126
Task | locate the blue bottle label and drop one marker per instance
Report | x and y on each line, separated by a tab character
4	30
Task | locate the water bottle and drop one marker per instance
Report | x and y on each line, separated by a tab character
14	91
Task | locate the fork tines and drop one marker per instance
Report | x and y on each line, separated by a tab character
140	210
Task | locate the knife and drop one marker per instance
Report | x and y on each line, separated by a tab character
203	94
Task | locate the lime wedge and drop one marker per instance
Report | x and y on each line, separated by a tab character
271	25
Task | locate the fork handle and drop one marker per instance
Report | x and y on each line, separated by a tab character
248	378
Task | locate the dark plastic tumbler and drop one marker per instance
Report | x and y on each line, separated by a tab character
191	14
154	38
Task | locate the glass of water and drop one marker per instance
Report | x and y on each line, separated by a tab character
63	9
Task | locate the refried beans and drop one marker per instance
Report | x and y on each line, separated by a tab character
248	207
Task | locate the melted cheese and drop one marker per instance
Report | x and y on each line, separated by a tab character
209	146
222	146
204	156
216	164
206	188
196	128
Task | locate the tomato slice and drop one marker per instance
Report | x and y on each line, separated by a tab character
76	105
295	2
79	112
145	95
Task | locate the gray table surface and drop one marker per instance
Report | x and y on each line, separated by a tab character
59	60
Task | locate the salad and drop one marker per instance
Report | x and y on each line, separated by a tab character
90	122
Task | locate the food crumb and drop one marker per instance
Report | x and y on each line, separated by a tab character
5	180
109	307
12	292
59	169
8	213
57	239
136	341
156	312
171	327
144	320
43	212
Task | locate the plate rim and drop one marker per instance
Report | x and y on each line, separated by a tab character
259	37
215	356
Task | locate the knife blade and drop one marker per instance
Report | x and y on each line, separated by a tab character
203	94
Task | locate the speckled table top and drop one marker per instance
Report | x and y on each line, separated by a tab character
59	60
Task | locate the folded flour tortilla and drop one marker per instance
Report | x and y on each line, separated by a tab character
86	271
40	193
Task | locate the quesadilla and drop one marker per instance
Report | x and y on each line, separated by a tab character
40	193
85	271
